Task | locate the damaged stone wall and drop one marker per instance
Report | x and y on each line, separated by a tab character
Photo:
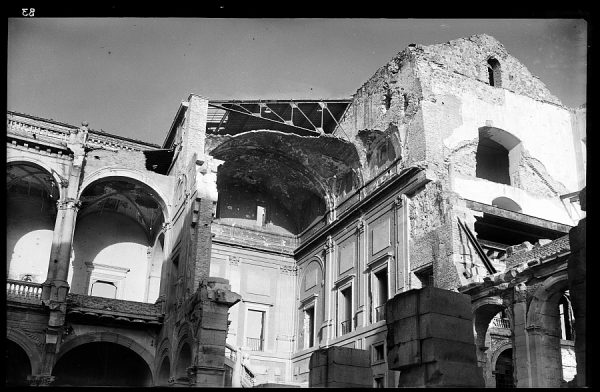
386	107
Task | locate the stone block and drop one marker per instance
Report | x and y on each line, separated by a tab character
450	303
442	374
433	325
436	349
404	354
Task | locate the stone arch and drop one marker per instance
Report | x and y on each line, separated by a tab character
109	337
501	378
163	350
115	171
544	297
29	346
484	311
183	358
31	160
501	348
543	329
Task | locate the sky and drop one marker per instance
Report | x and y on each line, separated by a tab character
127	76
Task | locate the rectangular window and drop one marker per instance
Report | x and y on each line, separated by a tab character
309	326
261	215
381	283
346	310
255	330
378	352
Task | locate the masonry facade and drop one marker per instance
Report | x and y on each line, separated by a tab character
262	231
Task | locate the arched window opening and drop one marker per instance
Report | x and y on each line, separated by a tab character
102	364
164	373
118	222
184	360
504	370
494	75
498	155
31	196
567	331
18	366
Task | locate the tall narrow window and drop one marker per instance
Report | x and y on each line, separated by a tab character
255	330
261	215
566	318
346	310
309	326
381	279
494	75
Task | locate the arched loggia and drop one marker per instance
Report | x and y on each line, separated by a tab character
102	363
31	193
117	250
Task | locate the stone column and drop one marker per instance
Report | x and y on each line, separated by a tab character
362	316
206	312
520	338
57	286
577	289
328	294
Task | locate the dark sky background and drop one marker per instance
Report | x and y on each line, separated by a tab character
127	76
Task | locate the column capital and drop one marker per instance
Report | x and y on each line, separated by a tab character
69	203
360	226
328	247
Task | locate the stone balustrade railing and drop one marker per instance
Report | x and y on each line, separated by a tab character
21	290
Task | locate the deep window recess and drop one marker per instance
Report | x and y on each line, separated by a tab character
494	75
378	352
492	161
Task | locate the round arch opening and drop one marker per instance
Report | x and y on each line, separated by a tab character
32	193
18	365
118	224
102	364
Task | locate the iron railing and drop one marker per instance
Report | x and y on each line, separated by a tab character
254	344
18	289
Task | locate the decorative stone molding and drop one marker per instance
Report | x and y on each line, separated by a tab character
291	270
360	226
234	260
40	380
328	247
68	203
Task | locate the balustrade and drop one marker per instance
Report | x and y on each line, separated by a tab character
23	290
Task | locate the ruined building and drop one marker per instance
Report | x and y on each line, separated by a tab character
263	231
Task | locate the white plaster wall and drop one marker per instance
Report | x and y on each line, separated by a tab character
115	240
29	232
544	129
484	191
